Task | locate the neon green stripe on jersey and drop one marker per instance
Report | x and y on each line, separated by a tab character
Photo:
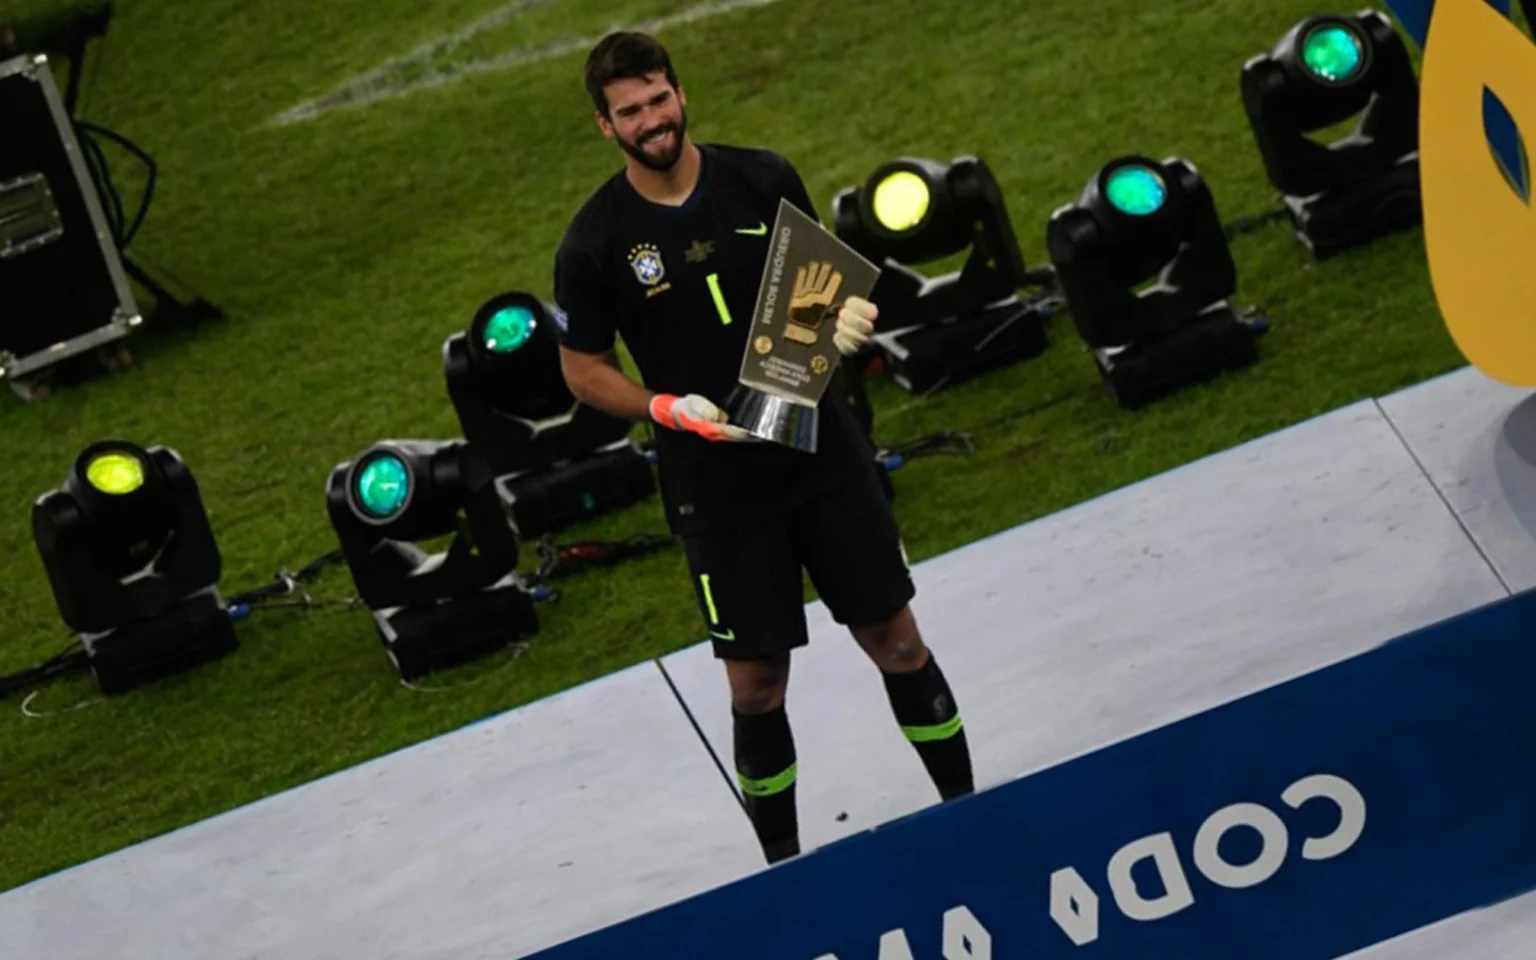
720	307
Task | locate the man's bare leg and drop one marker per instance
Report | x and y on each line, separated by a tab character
921	699
765	751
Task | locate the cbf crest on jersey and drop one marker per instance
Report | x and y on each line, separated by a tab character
645	259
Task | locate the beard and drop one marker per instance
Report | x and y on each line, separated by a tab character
660	162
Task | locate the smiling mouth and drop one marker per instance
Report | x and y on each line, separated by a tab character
655	137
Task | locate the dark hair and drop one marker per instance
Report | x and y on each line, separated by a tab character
621	56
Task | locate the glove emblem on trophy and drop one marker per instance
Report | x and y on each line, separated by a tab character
812	304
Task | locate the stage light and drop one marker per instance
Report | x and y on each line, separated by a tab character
557	461
383	486
901	201
1135	190
508	329
1333	52
1323	72
940	331
1137	221
133	564
116	473
431	610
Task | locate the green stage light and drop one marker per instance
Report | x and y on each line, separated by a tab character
431	609
901	201
508	329
1340	189
383	486
115	473
1135	190
1333	52
558	461
1146	272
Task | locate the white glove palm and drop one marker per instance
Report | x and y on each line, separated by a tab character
855	322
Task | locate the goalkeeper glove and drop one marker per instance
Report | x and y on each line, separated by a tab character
855	322
695	414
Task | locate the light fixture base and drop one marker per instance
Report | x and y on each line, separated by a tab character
423	639
947	351
1195	351
552	499
1344	218
195	631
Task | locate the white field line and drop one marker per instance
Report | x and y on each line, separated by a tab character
406	75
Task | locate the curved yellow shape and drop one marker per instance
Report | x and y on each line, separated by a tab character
1480	238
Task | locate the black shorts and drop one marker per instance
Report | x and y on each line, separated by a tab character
749	583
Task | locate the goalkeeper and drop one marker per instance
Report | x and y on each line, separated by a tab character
668	253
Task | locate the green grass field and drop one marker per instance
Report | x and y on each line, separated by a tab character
345	249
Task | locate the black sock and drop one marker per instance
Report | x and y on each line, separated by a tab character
765	768
926	710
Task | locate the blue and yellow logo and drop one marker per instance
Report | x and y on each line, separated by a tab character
1479	80
645	260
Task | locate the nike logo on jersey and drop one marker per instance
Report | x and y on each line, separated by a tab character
756	231
727	635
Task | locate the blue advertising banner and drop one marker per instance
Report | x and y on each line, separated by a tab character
1305	821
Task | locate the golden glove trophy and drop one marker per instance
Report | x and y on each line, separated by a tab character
790	356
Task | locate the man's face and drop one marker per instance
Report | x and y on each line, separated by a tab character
647	118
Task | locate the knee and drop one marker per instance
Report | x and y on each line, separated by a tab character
758	686
758	698
894	644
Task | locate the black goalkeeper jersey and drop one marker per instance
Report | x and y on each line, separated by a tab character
679	284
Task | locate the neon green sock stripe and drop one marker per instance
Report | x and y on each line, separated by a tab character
939	731
768	786
720	307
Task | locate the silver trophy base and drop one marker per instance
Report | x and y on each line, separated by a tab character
774	418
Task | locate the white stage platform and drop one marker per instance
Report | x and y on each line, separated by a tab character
492	842
1477	441
1061	636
